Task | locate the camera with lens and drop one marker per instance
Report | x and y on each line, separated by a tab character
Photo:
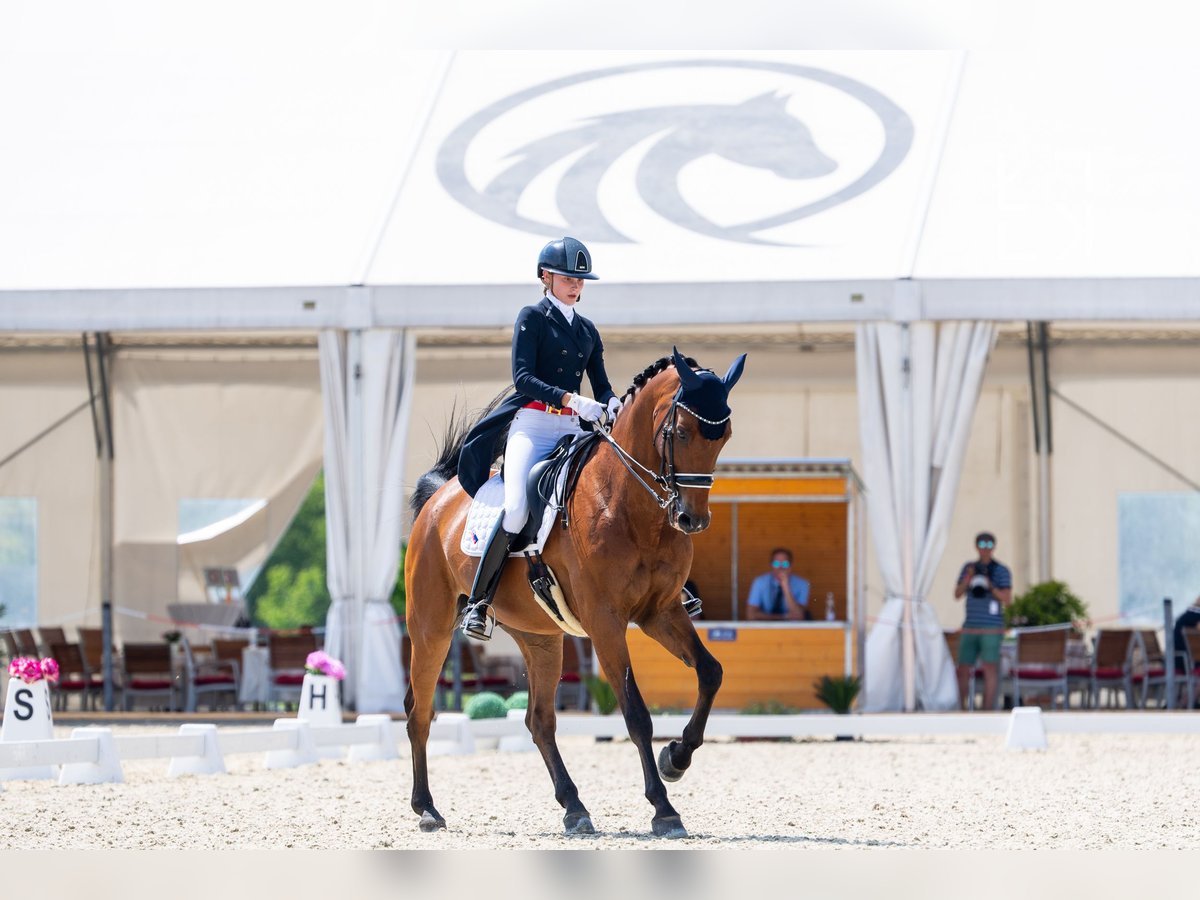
978	586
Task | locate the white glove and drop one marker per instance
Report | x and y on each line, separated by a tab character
614	408
589	410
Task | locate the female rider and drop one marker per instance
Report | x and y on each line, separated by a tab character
553	345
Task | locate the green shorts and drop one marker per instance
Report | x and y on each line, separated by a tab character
982	647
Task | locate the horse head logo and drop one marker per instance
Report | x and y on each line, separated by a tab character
758	132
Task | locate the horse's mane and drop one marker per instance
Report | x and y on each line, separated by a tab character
644	377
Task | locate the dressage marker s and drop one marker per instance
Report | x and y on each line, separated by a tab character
639	495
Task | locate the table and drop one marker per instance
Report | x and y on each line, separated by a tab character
256	675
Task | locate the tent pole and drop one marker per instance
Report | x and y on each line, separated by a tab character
355	461
908	640
106	517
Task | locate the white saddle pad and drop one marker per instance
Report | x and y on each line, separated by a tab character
487	508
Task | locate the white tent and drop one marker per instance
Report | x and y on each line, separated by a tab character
181	183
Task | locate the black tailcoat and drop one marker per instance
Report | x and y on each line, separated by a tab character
549	358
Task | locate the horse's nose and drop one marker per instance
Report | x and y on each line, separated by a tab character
691	524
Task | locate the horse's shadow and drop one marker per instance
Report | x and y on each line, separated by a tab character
648	837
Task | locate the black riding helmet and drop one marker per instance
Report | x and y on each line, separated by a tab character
566	256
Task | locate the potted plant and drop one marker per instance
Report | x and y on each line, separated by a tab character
838	692
320	702
1047	603
27	715
603	696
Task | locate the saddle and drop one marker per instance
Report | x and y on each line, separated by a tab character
552	482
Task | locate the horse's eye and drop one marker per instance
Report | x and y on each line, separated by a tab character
682	434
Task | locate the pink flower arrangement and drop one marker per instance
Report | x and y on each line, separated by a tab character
321	663
30	669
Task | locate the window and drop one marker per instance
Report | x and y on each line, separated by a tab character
1157	538
18	561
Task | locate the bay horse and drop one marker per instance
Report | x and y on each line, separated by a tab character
624	559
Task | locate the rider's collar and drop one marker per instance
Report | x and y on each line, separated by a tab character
567	311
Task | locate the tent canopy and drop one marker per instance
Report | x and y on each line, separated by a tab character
167	177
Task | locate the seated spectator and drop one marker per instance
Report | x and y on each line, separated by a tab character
778	594
1189	618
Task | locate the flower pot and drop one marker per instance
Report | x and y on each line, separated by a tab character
27	717
320	700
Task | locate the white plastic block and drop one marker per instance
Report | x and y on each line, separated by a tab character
383	748
106	768
209	762
1026	730
27	717
522	742
463	740
305	752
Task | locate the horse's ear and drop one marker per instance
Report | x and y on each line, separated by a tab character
689	379
734	373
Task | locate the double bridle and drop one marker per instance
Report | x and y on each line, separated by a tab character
667	478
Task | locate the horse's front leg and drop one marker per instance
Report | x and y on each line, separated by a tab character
613	653
674	630
543	661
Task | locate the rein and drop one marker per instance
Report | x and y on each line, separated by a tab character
667	478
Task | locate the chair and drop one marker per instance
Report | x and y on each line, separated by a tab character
577	665
1079	668
1191	650
1150	667
25	642
50	637
91	644
1112	665
147	671
74	677
286	654
1040	662
11	650
212	676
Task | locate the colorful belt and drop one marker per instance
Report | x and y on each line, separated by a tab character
553	410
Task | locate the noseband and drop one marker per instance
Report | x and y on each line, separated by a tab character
668	479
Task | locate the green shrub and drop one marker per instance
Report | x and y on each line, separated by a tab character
1048	603
486	705
768	708
602	693
519	700
838	692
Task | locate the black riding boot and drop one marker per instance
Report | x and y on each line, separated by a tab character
476	623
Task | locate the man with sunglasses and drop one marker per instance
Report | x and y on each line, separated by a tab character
778	594
987	585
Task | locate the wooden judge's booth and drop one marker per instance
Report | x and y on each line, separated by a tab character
813	507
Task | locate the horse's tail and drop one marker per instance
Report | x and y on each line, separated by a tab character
449	449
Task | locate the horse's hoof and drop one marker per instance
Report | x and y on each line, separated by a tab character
582	825
670	827
665	767
430	822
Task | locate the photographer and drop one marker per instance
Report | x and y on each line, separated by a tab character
987	585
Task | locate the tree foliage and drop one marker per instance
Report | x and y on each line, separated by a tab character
292	589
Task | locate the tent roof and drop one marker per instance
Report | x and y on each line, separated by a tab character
171	174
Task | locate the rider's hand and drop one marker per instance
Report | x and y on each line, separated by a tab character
589	410
614	407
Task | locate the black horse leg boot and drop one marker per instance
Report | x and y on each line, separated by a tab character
476	623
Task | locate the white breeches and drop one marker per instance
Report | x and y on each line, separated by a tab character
531	437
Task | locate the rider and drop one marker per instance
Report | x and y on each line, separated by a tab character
553	345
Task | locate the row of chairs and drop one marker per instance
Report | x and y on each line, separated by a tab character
1125	664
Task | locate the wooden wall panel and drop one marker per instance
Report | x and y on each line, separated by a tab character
712	563
816	535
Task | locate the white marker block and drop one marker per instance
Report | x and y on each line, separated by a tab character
383	748
521	742
463	740
305	752
209	762
320	704
106	768
27	717
1026	730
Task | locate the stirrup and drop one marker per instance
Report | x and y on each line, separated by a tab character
691	604
480	631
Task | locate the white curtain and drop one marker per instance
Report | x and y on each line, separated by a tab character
917	388
367	379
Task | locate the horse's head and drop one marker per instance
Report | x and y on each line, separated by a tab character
760	133
696	425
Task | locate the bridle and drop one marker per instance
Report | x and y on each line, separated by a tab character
667	478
